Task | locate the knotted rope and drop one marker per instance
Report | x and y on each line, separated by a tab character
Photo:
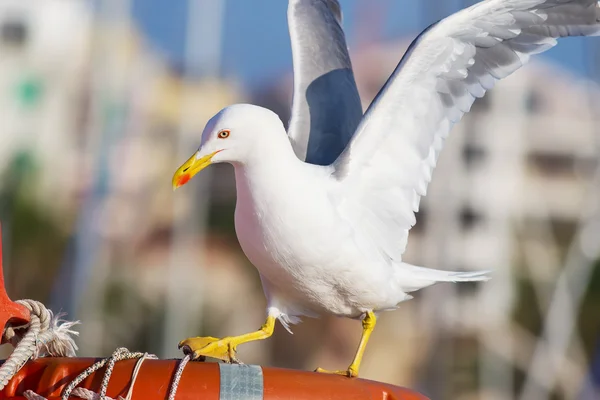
118	355
45	334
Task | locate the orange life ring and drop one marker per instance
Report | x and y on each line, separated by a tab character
208	381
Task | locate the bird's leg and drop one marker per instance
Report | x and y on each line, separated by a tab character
225	348
368	324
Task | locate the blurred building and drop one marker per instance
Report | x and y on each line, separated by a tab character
44	48
66	74
96	120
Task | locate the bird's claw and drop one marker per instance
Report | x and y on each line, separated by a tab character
351	372
201	347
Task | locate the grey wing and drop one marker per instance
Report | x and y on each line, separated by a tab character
326	107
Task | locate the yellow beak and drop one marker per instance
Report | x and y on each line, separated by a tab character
190	168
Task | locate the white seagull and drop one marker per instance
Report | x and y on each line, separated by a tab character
324	210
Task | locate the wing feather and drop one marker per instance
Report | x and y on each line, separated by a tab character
389	162
326	107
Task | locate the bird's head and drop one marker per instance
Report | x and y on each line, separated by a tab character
230	136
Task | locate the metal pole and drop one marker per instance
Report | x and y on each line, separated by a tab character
184	295
89	275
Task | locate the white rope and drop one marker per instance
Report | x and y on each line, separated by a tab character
31	395
136	371
44	335
177	376
48	335
87	394
118	355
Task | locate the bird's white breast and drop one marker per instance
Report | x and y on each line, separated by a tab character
281	222
288	229
291	232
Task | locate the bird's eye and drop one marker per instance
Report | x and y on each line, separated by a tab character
224	134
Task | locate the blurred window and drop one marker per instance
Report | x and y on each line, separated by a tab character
467	289
552	165
14	32
469	217
534	102
472	154
564	229
482	104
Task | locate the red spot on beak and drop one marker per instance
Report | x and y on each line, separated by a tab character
183	179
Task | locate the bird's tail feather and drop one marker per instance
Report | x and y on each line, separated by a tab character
422	277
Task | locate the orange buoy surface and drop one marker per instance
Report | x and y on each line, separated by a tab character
210	381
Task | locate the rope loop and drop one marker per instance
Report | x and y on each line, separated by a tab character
48	335
119	354
45	334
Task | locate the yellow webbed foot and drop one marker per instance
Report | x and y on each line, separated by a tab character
351	372
222	349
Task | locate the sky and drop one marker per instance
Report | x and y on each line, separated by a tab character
255	39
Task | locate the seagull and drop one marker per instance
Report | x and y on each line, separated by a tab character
324	210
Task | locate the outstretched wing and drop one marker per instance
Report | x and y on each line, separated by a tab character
388	165
326	107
